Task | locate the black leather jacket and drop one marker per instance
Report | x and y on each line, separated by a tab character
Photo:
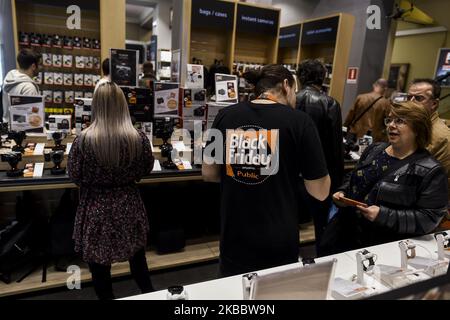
326	114
412	198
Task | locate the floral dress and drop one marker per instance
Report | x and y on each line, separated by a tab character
111	222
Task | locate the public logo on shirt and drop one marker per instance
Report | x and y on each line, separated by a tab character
252	154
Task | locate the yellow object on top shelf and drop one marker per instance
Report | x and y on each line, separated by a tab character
416	15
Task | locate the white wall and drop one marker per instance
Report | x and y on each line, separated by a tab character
161	24
293	11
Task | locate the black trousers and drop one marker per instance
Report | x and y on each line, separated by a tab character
101	276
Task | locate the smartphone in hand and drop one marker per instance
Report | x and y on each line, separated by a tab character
353	203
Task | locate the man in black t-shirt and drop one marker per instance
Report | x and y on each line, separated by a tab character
266	147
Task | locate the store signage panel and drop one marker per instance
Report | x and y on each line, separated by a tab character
443	67
320	31
257	20
212	14
289	36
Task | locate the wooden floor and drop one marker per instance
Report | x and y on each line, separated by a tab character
193	253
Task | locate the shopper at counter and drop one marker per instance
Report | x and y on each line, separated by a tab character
259	210
427	92
149	76
327	116
404	187
20	82
106	161
368	113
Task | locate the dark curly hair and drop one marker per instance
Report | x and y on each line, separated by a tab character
270	77
311	72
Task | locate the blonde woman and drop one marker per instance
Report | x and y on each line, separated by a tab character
106	160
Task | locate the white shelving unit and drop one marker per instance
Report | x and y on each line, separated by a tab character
164	64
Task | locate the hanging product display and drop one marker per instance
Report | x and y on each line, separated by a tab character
27	113
166	98
123	66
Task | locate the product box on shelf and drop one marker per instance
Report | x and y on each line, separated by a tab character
68	79
83	114
79	62
89	62
77	43
57	41
166	98
87	43
48	96
140	103
47	59
58	78
27	113
96	44
193	104
97	63
79	94
24	39
68	42
46	41
88	95
61	123
79	79
88	80
67	61
48	78
58	97
38	79
195	78
35	40
69	97
95	79
57	60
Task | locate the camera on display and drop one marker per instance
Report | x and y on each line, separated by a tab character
123	71
58	138
199	96
164	130
199	112
13	159
57	157
18	138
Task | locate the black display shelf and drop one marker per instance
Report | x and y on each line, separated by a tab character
48	181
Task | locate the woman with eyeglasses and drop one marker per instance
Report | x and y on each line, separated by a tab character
106	161
403	186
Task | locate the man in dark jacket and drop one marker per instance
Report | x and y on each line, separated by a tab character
326	114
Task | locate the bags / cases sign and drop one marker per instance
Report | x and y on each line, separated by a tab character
212	14
27	113
258	20
123	66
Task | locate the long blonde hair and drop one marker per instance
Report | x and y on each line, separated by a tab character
111	129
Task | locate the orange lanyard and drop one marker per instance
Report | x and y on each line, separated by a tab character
267	96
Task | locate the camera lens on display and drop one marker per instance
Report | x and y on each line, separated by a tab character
58	137
18	138
13	158
167	148
57	157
